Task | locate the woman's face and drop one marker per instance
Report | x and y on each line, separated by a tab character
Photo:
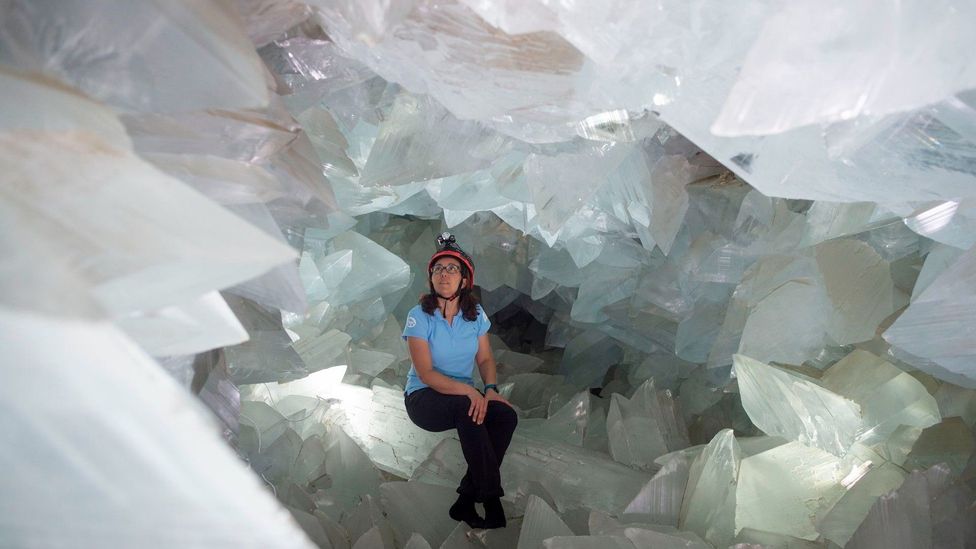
445	282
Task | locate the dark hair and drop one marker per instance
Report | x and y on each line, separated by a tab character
467	301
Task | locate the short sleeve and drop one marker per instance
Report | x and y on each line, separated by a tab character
483	322
417	324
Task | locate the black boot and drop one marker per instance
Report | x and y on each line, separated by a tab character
463	510
494	514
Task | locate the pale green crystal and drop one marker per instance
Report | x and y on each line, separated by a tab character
417	508
571	424
806	479
795	407
368	526
574	476
371	539
709	505
587	542
587	358
540	522
660	500
679	540
888	397
420	130
416	541
755	538
645	427
840	523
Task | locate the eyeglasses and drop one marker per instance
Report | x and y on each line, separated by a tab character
451	269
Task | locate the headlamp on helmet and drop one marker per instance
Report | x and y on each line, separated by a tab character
447	247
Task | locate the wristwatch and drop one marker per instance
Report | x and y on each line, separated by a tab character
490	386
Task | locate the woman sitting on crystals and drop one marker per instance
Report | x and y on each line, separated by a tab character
447	334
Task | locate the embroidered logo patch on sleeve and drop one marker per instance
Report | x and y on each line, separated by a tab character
411	322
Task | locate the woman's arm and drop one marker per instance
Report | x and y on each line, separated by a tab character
486	366
486	361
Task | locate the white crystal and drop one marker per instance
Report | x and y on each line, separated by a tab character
141	264
939	324
815	63
69	443
196	57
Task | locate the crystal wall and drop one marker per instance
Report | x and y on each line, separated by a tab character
727	250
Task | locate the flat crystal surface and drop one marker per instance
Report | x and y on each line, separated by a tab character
807	480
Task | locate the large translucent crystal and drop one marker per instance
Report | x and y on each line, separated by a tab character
795	407
888	397
203	324
154	490
806	479
196	57
859	287
815	63
660	500
375	419
847	514
63	109
417	508
625	252
573	476
645	427
709	505
131	258
937	327
587	358
540	522
917	514
577	422
950	443
419	129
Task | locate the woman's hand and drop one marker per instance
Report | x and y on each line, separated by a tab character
479	406
492	395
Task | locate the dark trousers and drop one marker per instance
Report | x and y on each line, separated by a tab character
483	445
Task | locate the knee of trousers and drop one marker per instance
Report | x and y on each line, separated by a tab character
460	405
502	414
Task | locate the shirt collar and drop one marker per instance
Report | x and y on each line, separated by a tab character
439	314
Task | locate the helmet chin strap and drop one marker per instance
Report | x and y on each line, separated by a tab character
453	297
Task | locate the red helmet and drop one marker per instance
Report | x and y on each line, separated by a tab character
449	248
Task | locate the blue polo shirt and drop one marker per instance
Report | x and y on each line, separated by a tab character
452	346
